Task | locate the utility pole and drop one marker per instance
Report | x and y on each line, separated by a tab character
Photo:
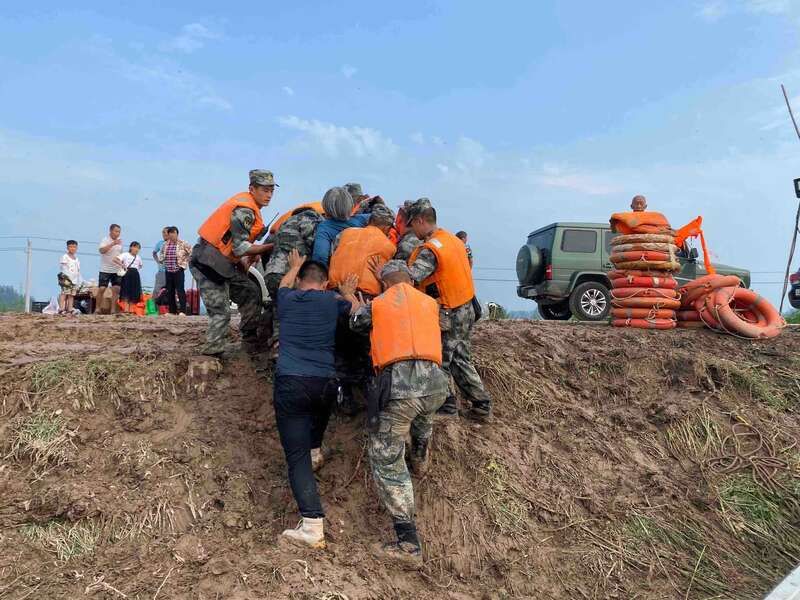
29	255
797	194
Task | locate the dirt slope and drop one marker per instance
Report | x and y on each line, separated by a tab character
131	468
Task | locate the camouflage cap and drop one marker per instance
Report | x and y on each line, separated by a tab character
382	214
395	266
261	177
354	189
416	208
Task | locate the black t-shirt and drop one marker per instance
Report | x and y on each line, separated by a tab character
308	331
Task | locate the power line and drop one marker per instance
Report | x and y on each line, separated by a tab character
52	251
50	239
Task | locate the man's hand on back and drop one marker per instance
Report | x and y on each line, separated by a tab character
296	260
348	287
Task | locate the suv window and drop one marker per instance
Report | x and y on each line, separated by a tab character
579	240
608	236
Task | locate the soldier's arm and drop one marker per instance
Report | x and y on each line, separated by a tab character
361	320
424	265
242	220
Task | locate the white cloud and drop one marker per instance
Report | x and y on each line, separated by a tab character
336	140
191	38
215	102
774	7
443	169
713	11
348	71
287	90
417	138
559	176
437	141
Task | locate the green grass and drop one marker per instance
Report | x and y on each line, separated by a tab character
506	510
65	540
793	317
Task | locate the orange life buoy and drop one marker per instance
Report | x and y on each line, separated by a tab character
645	323
705	285
641	255
723	308
656	247
642	313
649	268
643	238
634	292
667	282
657	303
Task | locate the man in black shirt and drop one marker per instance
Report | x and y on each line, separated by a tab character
305	384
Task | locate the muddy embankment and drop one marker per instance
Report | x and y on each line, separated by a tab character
620	464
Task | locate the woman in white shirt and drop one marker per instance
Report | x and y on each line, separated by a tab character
130	263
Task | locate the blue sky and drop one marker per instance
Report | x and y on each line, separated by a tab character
508	116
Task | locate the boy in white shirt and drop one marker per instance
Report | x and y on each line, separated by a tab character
69	278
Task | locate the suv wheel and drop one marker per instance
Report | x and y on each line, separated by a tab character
555	312
590	301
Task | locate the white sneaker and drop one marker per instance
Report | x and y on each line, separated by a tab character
309	532
317	459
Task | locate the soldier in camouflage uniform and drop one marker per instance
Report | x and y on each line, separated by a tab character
221	280
456	323
418	388
409	241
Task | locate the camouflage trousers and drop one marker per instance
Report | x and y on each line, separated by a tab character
387	448
456	327
217	298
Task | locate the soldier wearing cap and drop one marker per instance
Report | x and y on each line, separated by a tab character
441	269
220	260
408	241
409	387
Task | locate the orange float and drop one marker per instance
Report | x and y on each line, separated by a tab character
705	285
688	315
643	256
723	302
656	247
657	303
644	323
642	238
651	281
642	313
634	292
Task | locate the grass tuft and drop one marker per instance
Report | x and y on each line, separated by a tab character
506	510
43	438
65	540
696	437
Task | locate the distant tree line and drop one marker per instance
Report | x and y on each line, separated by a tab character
10	299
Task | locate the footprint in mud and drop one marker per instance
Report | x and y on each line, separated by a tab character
182	421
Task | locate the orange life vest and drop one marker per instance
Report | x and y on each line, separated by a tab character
453	275
217	228
639	222
405	326
356	246
316	206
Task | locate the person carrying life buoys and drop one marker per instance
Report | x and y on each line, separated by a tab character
226	237
408	389
361	251
440	268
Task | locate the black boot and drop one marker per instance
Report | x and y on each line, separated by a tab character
481	410
406	549
449	407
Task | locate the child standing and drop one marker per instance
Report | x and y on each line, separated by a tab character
69	278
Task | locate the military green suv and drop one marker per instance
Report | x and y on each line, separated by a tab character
563	268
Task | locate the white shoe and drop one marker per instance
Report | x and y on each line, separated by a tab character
317	459
181	314
309	532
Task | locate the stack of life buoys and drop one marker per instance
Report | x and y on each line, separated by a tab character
644	292
719	302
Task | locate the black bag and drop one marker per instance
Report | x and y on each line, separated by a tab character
379	392
211	263
477	308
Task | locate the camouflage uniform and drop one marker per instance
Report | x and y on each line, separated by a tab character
217	295
456	324
407	244
297	233
418	389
